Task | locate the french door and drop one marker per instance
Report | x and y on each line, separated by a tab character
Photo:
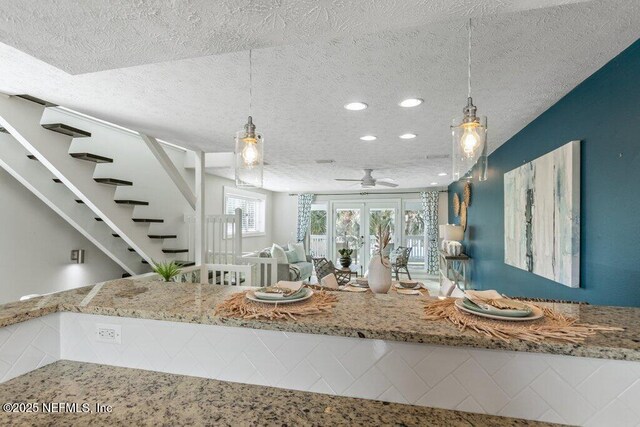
354	225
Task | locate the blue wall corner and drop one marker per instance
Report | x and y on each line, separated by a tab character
603	112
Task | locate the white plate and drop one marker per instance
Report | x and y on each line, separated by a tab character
252	297
359	285
351	288
536	313
399	286
405	291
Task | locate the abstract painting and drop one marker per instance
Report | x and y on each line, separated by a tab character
542	216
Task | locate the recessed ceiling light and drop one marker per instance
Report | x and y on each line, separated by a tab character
356	106
442	174
368	138
434	183
408	136
411	102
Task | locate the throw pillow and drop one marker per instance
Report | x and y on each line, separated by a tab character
278	253
292	257
299	248
329	281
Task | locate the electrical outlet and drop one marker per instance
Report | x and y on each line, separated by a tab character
109	333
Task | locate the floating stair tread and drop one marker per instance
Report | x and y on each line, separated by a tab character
91	157
132	202
175	251
57	180
32	157
112	181
155	220
163	236
67	130
180	263
36	100
185	263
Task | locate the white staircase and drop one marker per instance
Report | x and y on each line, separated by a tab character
100	178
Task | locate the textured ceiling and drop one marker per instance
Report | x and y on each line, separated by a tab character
523	63
100	35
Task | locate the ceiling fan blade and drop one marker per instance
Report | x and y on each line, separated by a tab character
347	179
386	184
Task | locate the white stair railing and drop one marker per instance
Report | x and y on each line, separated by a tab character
264	270
218	274
223	237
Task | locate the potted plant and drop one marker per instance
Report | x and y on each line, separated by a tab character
380	266
345	256
345	253
167	270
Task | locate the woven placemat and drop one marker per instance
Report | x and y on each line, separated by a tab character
553	326
237	305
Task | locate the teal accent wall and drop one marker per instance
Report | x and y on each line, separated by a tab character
603	112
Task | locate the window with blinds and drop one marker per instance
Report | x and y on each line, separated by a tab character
252	212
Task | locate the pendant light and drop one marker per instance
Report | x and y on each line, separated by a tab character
469	135
249	159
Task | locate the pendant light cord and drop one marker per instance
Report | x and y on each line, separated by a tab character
469	64
250	83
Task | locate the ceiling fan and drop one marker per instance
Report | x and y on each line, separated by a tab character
367	181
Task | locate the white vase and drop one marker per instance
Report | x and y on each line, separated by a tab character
454	248
379	274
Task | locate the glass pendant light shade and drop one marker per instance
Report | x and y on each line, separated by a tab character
249	159
469	142
483	163
469	136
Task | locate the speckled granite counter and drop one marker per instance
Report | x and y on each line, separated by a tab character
390	317
151	398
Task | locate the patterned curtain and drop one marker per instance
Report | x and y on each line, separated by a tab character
304	214
430	214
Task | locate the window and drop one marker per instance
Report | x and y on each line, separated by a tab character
253	209
318	230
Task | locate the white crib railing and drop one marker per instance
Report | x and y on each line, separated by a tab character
223	237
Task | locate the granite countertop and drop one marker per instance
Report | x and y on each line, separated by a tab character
390	317
140	397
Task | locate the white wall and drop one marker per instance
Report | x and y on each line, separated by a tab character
35	246
285	209
285	218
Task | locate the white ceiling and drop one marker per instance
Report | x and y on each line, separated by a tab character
524	61
101	35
